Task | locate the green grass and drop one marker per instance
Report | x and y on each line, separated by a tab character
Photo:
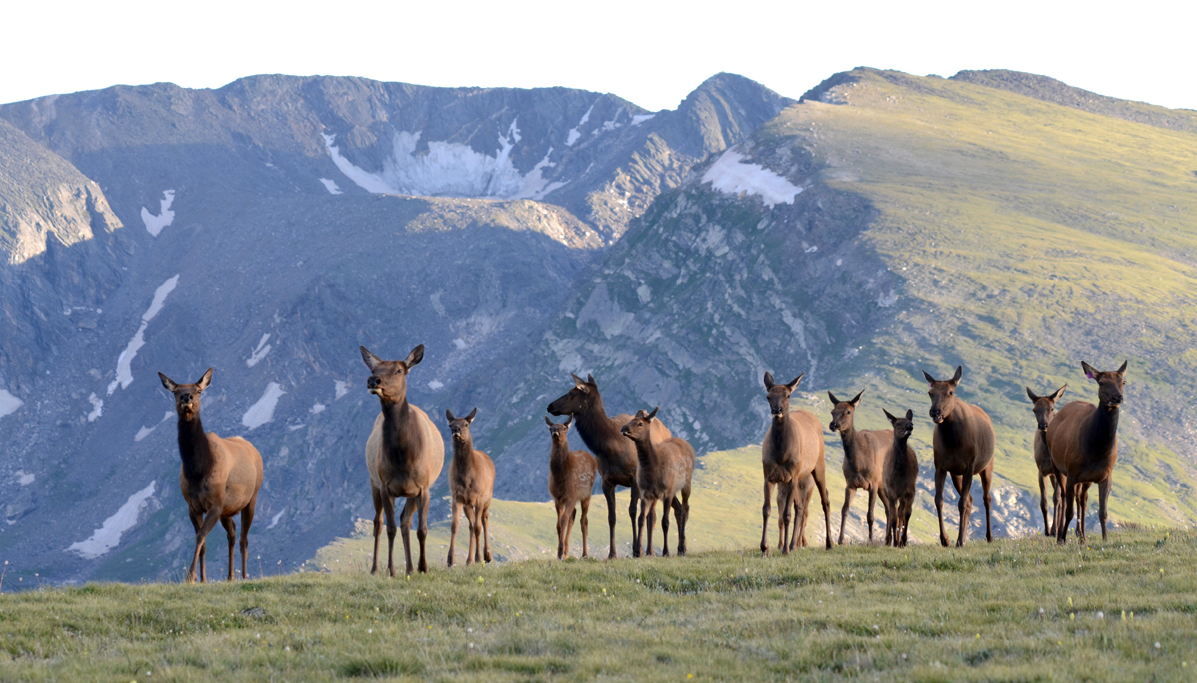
1013	610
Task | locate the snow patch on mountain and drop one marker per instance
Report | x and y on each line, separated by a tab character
260	352
263	411
24	478
331	185
146	431
124	371
108	536
730	175
536	186
9	404
97	407
155	224
573	132
340	388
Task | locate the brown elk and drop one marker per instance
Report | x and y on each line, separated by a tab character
404	455
1083	442
471	486
864	457
615	455
219	478
571	480
792	452
1044	408
664	473
899	482
963	443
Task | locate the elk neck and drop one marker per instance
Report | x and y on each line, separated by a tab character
951	430
1103	428
596	429
559	458
463	451
194	448
849	437
400	430
898	457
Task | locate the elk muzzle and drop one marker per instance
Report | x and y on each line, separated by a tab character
936	415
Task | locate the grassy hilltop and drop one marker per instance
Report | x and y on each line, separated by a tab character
1014	610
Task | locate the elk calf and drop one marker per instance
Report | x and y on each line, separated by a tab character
571	480
1044	408
220	477
792	460
664	472
899	483
471	485
963	446
864	458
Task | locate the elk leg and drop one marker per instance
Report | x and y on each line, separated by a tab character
820	475
636	531
1047	528
569	526
1082	498
453	532
585	523
681	512
1055	478
388	509
785	493
869	514
247	518
665	505
561	549
848	491
486	531
965	507
471	513
201	534
230	528
765	516
806	491
986	482
940	475
377	496
197	520
908	506
1069	496
609	494
422	531
1103	494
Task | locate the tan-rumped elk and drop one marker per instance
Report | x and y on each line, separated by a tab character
1044	408
792	452
404	455
900	480
219	478
864	457
663	474
571	480
471	486
962	441
1083	442
615	454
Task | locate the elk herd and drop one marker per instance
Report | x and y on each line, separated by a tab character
1074	448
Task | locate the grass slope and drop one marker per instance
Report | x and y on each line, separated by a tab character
1014	610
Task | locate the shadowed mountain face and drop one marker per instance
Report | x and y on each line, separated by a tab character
269	227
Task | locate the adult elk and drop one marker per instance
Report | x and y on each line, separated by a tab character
864	458
963	442
404	455
664	473
571	479
219	478
791	452
1083	442
899	482
616	455
1044	408
471	486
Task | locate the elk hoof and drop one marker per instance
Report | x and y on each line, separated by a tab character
487	556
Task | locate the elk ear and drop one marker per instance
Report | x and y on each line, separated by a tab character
548	421
580	383
653	414
372	361
1122	370
568	421
930	379
910	414
889	417
1059	392
834	401
959	373
1089	371
1031	395
856	400
473	414
769	381
589	378
413	359
168	383
205	380
449	415
641	414
794	385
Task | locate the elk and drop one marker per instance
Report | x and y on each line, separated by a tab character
1044	408
471	486
404	455
962	441
219	478
571	479
898	484
615	455
664	472
1083	442
864	458
792	452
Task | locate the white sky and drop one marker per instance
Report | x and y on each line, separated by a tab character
652	53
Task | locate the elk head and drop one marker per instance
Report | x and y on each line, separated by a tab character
1045	406
943	395
637	428
841	412
903	426
1109	385
578	399
460	426
779	395
559	432
187	396
388	378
